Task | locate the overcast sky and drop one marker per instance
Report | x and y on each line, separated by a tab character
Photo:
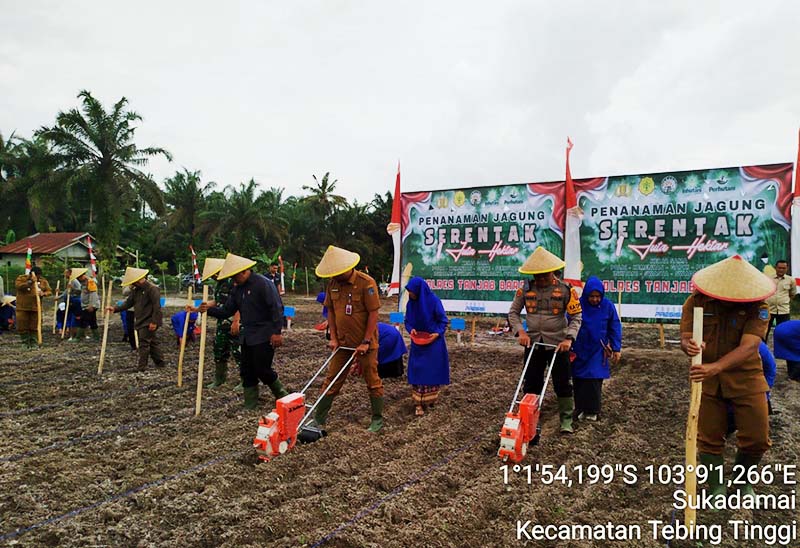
462	93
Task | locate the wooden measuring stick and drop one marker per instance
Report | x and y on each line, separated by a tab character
106	321
55	306
203	322
619	305
183	338
136	336
66	309
662	342
690	514
38	310
103	287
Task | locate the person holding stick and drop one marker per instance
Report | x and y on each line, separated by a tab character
547	302
226	339
145	299
90	302
261	309
732	295
28	306
72	302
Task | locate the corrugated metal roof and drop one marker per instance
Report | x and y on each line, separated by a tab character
44	243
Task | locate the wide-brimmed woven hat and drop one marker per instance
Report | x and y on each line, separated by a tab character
77	273
735	280
540	262
8	299
336	261
133	275
233	265
211	267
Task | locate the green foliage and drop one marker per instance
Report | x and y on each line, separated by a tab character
84	173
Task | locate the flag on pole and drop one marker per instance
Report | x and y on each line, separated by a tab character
795	242
572	225
393	228
195	271
283	279
294	275
29	259
92	258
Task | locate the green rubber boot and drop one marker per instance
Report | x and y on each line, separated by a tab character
377	413
716	478
239	387
220	375
96	334
251	397
278	390
566	406
749	462
321	412
25	340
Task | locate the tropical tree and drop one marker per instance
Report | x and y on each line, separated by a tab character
185	197
322	198
102	159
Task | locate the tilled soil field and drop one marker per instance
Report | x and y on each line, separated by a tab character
121	460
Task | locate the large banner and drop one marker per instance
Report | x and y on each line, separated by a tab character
468	243
646	235
643	235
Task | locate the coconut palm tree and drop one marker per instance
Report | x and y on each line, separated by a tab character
322	198
103	160
186	197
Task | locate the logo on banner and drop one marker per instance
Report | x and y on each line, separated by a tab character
442	202
459	198
623	190
669	184
646	186
475	197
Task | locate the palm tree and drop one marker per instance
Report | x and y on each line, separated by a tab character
186	197
103	160
322	198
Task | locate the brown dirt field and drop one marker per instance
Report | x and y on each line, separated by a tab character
120	460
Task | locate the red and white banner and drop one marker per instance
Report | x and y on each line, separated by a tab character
92	258
393	228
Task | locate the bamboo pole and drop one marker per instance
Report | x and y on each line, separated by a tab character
38	310
474	321
203	325
103	287
307	292
136	337
55	306
106	321
66	309
619	304
183	338
661	341
690	514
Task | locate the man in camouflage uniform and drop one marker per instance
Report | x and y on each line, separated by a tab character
547	302
226	341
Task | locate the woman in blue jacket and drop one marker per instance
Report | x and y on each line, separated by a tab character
429	363
599	340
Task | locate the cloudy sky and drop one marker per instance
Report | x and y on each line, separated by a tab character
464	93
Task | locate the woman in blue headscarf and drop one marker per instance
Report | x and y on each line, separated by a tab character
428	364
599	339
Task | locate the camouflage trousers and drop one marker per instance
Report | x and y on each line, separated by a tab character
226	345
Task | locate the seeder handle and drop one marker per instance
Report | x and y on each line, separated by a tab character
547	378
324	365
345	367
514	400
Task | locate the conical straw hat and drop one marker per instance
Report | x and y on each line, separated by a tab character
8	299
77	273
735	280
540	262
336	261
133	275
233	265
211	267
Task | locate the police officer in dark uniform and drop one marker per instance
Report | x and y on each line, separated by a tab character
735	318
547	302
226	340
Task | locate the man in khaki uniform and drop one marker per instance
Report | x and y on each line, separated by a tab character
353	303
28	285
735	316
780	303
145	299
547	302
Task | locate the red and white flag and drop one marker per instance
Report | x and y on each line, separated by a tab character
393	229
195	271
572	226
92	258
795	243
282	288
